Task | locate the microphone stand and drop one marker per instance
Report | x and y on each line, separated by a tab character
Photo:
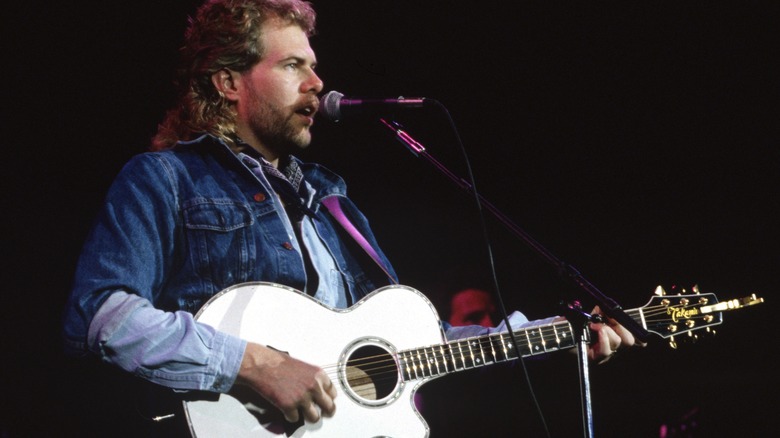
576	316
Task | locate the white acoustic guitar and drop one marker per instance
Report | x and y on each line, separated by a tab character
380	350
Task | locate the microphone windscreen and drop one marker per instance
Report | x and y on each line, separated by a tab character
329	105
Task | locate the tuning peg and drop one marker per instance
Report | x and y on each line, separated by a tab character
696	289
659	291
672	343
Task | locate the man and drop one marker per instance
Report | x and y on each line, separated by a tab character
472	306
222	201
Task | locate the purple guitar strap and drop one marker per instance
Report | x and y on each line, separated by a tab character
332	204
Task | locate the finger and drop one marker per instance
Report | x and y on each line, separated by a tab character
310	412
615	333
626	337
606	343
324	399
602	340
613	339
291	414
331	388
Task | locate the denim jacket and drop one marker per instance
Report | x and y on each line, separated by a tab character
179	226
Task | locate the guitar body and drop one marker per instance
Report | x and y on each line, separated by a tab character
369	404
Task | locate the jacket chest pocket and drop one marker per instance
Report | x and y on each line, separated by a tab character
219	240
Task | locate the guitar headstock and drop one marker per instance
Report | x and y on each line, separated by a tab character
683	313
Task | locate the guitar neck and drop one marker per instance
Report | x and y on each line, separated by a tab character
479	351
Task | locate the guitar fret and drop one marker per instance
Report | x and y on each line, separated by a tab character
564	335
534	341
419	364
470	355
479	359
543	341
434	362
443	359
428	362
410	365
528	342
405	366
492	340
497	344
507	347
522	348
453	357
414	367
462	357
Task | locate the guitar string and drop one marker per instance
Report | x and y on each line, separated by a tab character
430	361
436	360
446	358
546	336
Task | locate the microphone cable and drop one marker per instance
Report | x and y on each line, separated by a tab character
491	260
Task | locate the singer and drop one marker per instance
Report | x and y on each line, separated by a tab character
221	200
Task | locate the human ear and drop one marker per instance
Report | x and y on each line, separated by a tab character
226	83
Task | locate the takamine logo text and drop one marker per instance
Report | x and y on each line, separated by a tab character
678	313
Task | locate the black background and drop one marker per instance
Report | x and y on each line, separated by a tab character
637	143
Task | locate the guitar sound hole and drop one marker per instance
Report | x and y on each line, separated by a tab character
371	373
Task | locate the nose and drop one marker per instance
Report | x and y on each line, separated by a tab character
313	83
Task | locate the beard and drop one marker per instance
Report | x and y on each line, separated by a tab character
278	129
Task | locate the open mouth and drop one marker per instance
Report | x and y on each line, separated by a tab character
308	110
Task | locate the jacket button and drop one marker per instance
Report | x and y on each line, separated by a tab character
287	245
259	197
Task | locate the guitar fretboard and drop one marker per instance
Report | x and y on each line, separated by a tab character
479	351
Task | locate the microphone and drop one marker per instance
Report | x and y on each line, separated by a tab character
334	106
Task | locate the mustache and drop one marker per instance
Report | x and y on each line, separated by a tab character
309	106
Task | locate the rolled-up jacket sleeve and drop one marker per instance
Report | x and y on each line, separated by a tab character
167	348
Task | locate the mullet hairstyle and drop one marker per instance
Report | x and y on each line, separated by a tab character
223	34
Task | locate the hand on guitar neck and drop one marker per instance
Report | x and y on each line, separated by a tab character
475	306
610	338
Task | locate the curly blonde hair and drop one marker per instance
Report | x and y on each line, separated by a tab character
223	34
